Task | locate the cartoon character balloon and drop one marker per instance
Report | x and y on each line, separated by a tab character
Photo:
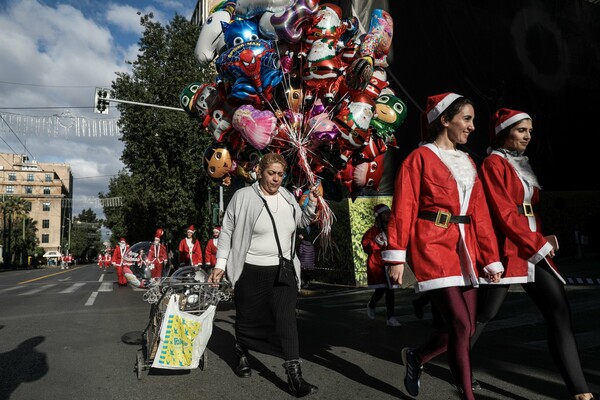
390	113
210	40
218	163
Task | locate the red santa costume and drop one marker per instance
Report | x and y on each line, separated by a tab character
210	255
513	194
101	261
157	255
117	260
440	222
107	259
437	184
190	252
374	241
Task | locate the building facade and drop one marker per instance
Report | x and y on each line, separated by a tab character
48	189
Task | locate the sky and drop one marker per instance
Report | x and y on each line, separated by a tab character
54	55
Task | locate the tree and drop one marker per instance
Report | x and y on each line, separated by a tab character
18	230
85	235
164	184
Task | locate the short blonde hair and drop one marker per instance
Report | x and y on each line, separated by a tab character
271	158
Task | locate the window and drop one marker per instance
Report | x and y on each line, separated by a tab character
48	178
46	206
12	176
28	189
10	189
46	189
45	223
29	177
45	238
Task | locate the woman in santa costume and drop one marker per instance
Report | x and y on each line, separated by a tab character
374	241
210	255
512	192
117	260
157	255
439	208
190	252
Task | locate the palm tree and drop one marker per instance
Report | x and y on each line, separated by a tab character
14	209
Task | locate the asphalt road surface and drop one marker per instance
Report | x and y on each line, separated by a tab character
61	337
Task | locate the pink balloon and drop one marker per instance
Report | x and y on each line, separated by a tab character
256	127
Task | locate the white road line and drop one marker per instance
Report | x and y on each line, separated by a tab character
590	281
37	290
73	287
579	280
91	299
10	288
106	287
101	278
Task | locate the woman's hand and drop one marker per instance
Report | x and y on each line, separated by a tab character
396	271
494	278
216	275
315	192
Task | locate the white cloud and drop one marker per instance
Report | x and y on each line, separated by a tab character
127	18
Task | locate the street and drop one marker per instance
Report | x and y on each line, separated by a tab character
61	338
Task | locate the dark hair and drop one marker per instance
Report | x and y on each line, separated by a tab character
498	141
435	127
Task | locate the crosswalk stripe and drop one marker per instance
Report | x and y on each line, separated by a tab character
73	287
90	301
37	290
10	288
105	287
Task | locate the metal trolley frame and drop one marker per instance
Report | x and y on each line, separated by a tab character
195	296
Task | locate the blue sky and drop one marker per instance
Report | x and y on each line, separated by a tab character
54	53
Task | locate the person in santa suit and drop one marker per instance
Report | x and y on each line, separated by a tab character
157	255
210	251
101	261
441	222
107	258
190	252
374	241
512	191
117	260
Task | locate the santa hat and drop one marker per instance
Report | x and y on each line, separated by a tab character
158	234
191	228
379	208
505	117
435	106
122	240
217	228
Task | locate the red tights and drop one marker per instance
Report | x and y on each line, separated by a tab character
457	305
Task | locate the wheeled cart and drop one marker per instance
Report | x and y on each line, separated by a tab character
194	296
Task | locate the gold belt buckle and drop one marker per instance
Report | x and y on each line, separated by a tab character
528	210
446	219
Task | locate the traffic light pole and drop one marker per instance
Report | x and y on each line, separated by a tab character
102	99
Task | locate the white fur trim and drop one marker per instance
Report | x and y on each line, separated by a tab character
394	256
441	106
510	121
460	166
523	169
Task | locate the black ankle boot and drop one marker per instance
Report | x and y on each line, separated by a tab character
242	366
297	384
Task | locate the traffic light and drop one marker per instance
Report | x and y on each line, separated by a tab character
101	100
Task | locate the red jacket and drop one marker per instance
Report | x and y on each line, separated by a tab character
521	243
157	254
190	257
117	256
210	256
440	257
377	276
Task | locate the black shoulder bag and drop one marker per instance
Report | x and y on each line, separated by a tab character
286	275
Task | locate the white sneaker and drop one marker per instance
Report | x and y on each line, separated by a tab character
393	322
370	312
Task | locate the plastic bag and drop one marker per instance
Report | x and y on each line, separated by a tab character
183	337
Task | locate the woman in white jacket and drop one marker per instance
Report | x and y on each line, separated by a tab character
265	308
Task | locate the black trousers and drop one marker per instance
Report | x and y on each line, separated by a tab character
549	295
266	313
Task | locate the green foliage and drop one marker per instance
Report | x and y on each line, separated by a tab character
164	184
18	230
85	236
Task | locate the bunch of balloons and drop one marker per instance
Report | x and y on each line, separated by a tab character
296	78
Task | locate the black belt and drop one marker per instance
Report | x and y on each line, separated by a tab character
526	209
444	218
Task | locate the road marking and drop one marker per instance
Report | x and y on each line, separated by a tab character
101	278
37	290
106	287
90	301
72	288
9	289
48	276
583	281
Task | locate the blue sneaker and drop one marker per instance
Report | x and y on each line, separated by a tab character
412	376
